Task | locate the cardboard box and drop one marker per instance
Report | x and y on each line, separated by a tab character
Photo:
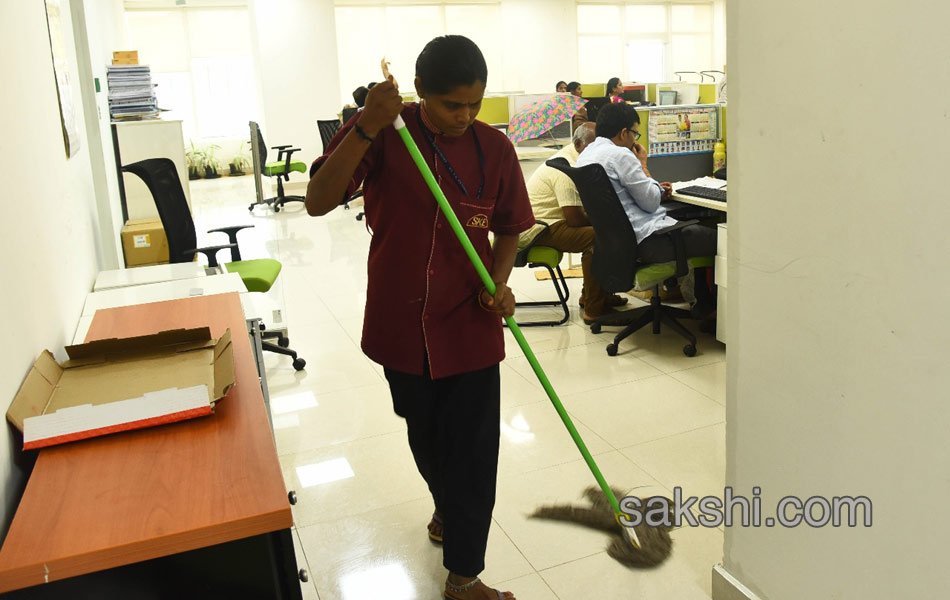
125	57
114	385
144	242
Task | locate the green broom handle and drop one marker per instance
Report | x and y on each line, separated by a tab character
426	172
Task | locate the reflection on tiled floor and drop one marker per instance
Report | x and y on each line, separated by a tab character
653	418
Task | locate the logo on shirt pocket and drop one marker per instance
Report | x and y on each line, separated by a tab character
480	220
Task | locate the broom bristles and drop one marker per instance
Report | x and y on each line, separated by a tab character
655	542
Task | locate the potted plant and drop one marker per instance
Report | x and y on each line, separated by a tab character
194	158
211	164
240	162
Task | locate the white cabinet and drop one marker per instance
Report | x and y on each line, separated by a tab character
139	140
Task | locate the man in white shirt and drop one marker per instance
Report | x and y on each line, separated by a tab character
625	161
555	200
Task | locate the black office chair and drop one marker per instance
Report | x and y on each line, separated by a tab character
161	177
615	263
348	113
281	169
327	130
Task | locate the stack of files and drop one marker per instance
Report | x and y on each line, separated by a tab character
131	94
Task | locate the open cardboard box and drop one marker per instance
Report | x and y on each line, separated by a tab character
114	385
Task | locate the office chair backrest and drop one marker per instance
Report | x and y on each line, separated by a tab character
161	177
615	244
348	114
261	149
327	130
257	147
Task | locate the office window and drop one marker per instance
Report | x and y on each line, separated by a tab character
201	63
649	41
399	31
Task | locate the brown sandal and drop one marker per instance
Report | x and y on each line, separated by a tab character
454	588
438	521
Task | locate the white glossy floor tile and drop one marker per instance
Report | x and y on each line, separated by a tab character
334	361
356	553
518	391
665	350
529	587
534	437
641	411
709	380
686	575
306	420
694	461
352	478
545	339
549	543
584	368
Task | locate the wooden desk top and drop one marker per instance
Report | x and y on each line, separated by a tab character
119	499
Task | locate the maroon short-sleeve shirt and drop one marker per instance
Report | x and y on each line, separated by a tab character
421	297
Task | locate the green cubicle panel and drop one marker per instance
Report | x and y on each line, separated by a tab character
651	92
494	110
594	90
644	128
722	126
707	93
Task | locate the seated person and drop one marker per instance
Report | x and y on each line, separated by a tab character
580	116
615	90
625	161
555	200
359	96
560	87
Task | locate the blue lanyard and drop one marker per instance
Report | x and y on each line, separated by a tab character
445	161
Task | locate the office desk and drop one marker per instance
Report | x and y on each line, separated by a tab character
166	290
720	252
107	280
695	200
212	483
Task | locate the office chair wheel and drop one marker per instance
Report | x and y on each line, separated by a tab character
292	497
299	364
611	349
250	208
359	217
276	208
689	350
595	328
283	342
304	576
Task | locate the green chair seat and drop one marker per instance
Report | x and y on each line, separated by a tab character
545	255
278	167
649	276
258	275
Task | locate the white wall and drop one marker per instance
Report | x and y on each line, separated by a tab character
540	44
296	57
47	235
838	291
95	36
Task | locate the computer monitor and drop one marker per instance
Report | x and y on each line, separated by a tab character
667	97
634	93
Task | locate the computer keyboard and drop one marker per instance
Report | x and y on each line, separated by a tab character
703	192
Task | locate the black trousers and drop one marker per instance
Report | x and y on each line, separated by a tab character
453	433
698	240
